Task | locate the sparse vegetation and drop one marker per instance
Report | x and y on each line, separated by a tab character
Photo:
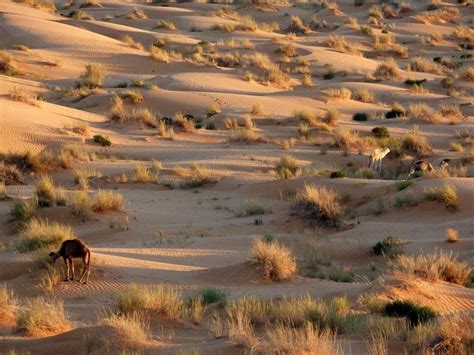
414	313
103	141
387	71
288	167
277	262
250	208
46	191
388	247
319	204
415	143
452	235
8	304
92	77
105	201
40	317
445	194
22	211
38	234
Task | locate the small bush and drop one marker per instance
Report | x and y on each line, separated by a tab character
414	313
338	174
92	77
39	234
105	201
388	246
452	235
341	275
396	111
23	211
142	174
245	135
339	93
387	71
414	143
195	176
360	116
381	132
135	96
46	191
132	331
319	204
436	266
363	95
81	205
402	185
250	208
445	194
8	304
287	167
103	141
40	317
167	25
277	262
213	295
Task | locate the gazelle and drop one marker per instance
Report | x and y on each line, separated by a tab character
376	157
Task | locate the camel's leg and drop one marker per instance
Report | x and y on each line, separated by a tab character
380	166
371	163
66	261
86	269
73	276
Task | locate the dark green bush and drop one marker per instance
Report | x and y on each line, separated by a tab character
213	295
360	116
381	132
103	141
338	174
328	76
396	111
387	247
414	313
411	82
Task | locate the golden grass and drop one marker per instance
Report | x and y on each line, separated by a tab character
143	174
132	331
46	5
415	143
162	299
167	25
339	43
441	15
134	95
363	95
464	33
128	40
338	93
319	204
433	267
22	211
445	194
425	65
93	76
162	55
424	112
38	234
81	205
78	128
241	331
452	235
277	262
46	191
288	167
388	70
105	201
244	135
284	339
22	95
8	304
41	317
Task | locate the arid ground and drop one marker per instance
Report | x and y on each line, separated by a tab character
214	158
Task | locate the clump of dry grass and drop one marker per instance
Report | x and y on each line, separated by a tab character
8	304
23	210
135	96
387	45
258	109
441	15
288	167
132	331
195	176
136	14
105	201
425	65
277	261
436	266
451	112
142	174
415	143
339	43
245	135
38	234
78	128
424	112
468	74
363	95
338	93
445	194
21	95
6	64
388	70
41	317
464	33
241	331
167	25
47	5
161	299
46	191
285	339
319	204
81	205
297	26
452	235
128	40
162	55
92	77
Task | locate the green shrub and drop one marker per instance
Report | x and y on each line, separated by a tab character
387	247
213	295
360	116
287	167
338	174
38	234
381	132
403	184
23	211
396	111
103	141
414	313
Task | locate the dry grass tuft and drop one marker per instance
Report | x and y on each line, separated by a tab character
339	43
41	317
21	95
288	167
415	143
105	201
319	204
241	331
452	235
445	194
142	174
285	339
245	135
425	65
38	234
277	262
8	305
433	267
424	112
128	40
92	77
387	71
133	330
338	93
81	205
363	95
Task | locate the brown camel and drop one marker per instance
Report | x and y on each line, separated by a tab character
71	249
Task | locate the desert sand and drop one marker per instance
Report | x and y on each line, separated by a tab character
258	80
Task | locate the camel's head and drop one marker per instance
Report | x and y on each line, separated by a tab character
53	256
